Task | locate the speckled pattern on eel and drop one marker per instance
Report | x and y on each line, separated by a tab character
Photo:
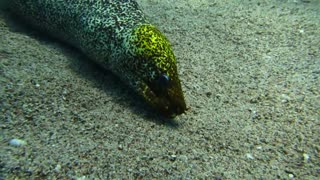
118	36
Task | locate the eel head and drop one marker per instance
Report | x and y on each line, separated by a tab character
155	71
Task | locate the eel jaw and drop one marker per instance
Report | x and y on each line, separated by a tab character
169	103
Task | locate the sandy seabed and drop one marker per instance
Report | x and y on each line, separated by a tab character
250	73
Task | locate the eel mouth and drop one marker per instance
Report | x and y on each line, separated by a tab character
169	106
169	103
175	106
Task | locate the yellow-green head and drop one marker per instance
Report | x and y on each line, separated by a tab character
156	77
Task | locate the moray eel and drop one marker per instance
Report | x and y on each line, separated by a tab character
117	35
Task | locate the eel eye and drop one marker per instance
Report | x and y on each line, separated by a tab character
163	81
161	84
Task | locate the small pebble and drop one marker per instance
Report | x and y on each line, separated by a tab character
120	147
285	98
173	157
291	176
306	157
17	142
249	156
57	168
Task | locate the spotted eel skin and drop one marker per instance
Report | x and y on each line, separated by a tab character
117	35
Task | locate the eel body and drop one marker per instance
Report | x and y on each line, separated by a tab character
117	35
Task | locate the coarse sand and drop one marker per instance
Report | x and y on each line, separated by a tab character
250	73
